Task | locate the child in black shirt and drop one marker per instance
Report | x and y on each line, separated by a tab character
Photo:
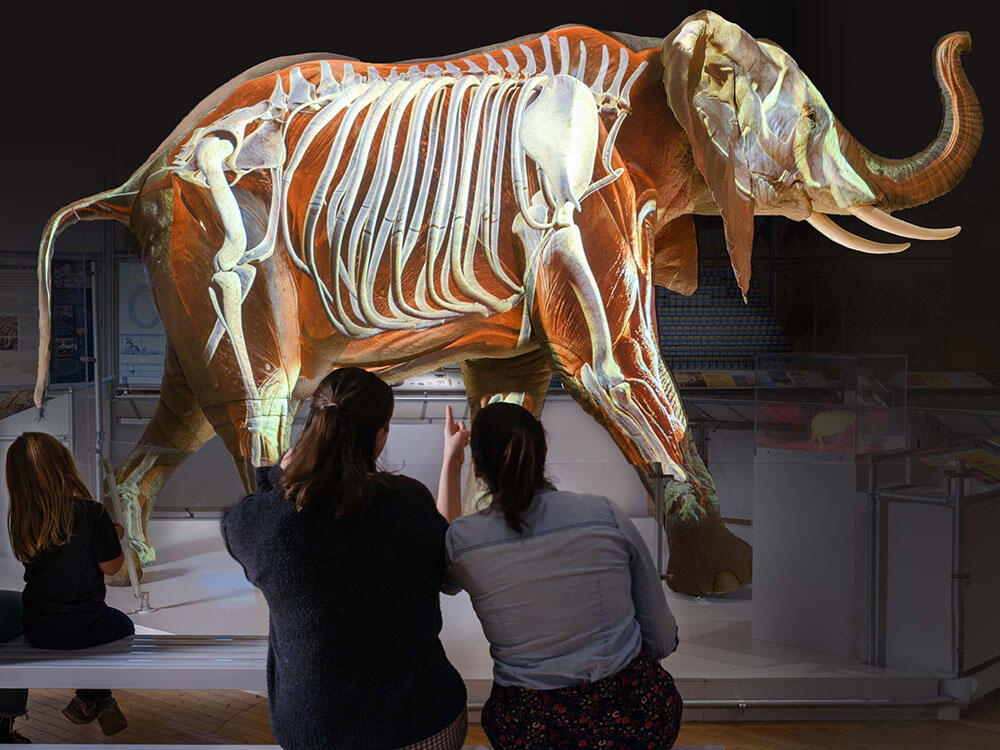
67	543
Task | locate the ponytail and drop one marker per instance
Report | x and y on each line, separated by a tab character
508	448
334	459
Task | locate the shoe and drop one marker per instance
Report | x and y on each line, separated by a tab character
80	711
10	737
110	717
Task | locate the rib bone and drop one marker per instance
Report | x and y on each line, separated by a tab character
490	133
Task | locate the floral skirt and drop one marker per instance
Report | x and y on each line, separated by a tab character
638	707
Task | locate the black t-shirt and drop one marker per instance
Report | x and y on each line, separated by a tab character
64	587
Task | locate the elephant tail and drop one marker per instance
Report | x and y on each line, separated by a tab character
113	204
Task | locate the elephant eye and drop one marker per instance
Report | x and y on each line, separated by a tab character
810	113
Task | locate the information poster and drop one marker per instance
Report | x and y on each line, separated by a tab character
19	321
71	322
141	338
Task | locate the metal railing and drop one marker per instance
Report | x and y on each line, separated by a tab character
952	495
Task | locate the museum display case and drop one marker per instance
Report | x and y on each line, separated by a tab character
832	403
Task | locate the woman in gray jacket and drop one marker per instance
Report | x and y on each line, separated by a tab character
567	594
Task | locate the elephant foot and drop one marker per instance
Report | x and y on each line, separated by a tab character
121	577
707	559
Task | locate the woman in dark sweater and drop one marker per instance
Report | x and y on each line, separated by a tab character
350	560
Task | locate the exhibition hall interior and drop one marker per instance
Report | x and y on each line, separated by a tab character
741	262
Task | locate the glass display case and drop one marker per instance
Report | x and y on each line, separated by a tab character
846	404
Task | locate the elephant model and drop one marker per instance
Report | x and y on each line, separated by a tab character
835	424
511	209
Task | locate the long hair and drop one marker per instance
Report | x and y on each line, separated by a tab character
508	450
334	459
42	481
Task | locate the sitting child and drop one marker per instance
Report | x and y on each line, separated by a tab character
67	543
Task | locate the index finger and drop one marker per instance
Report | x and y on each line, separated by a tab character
449	417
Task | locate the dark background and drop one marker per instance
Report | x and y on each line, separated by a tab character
89	93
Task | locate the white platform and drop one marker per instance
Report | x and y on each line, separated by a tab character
806	566
169	662
198	589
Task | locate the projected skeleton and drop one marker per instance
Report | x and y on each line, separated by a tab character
508	209
438	149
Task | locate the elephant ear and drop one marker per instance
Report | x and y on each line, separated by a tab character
675	259
700	78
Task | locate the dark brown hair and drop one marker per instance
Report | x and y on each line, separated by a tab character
508	448
42	481
333	461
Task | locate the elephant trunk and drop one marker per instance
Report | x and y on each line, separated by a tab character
939	167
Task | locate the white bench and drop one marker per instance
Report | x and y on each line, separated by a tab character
153	662
142	662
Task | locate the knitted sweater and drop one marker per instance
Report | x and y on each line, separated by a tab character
354	659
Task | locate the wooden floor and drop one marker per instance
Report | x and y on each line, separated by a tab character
215	717
190	717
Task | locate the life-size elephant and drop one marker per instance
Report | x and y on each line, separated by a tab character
510	209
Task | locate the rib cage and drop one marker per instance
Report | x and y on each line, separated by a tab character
415	161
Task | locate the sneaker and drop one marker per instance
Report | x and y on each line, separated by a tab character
110	717
80	711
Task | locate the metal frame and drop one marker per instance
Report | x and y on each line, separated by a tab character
953	495
659	482
102	466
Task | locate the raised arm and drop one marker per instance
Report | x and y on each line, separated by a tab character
456	437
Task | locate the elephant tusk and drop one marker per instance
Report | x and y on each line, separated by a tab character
826	226
888	223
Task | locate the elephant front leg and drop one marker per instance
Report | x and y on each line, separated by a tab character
594	306
705	556
520	380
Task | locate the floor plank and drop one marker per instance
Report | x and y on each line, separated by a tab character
212	717
208	717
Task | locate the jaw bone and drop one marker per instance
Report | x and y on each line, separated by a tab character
887	223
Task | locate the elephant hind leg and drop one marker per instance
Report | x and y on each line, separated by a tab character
256	431
177	429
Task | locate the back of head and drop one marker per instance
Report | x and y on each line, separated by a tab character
334	459
42	481
508	451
